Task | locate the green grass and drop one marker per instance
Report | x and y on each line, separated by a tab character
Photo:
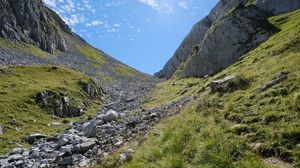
18	87
22	47
92	54
172	90
220	129
123	70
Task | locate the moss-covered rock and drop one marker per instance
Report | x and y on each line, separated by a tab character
59	104
230	84
92	88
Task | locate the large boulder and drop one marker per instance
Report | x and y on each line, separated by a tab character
93	88
33	137
111	115
59	104
89	129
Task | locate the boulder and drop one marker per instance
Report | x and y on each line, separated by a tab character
33	137
14	157
16	151
278	78
111	115
126	156
59	104
67	148
84	147
89	129
62	141
92	88
229	84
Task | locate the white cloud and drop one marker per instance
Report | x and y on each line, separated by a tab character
72	12
183	4
162	6
167	6
94	23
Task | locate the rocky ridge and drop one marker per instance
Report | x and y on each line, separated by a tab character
31	21
215	21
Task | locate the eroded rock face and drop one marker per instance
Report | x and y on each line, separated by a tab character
30	21
93	89
58	104
199	31
242	30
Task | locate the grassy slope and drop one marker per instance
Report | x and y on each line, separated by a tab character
17	88
203	135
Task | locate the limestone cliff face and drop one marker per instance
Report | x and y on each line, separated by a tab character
30	21
26	26
206	31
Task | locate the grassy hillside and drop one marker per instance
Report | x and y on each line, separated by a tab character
240	128
19	113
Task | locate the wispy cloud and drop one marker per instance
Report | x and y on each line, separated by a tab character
167	6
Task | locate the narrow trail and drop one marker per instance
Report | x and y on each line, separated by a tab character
88	140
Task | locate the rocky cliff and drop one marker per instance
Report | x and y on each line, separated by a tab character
30	21
195	52
33	34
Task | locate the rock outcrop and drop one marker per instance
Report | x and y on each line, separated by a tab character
59	104
199	32
234	35
30	21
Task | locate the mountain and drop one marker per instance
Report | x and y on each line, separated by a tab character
245	116
232	28
50	78
232	98
33	34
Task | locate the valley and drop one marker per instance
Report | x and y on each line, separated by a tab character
229	97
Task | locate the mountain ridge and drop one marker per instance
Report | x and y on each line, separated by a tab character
199	30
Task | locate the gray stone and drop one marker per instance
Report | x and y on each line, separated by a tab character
67	161
62	141
127	155
118	144
16	151
33	137
111	115
67	148
89	129
15	157
278	78
1	130
84	147
54	124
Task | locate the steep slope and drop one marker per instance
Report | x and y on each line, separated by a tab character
252	121
34	96
199	32
32	34
51	80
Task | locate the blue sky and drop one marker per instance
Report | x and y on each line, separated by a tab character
143	34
